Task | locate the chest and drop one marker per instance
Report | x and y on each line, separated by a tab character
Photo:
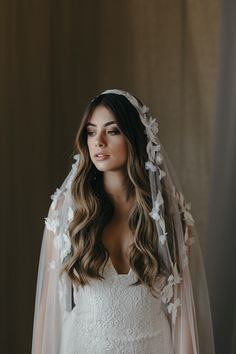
117	239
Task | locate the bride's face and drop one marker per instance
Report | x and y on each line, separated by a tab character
106	142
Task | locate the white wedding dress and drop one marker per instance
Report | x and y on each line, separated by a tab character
111	317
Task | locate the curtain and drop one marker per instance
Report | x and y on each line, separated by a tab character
221	242
55	56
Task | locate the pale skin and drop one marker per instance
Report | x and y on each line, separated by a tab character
104	135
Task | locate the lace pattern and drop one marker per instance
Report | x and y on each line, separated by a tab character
113	317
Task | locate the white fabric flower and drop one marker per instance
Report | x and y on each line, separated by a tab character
144	109
184	208
54	197
172	308
154	214
185	259
66	245
188	238
162	224
180	199
167	293
62	243
158	158
152	129
161	173
188	218
70	214
162	238
51	265
177	278
156	208
52	224
186	235
152	151
73	171
76	157
149	166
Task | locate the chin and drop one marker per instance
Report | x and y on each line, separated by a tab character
107	168
103	168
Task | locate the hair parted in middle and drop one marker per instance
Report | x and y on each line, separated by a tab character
94	208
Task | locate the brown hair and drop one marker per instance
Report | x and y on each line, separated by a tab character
94	209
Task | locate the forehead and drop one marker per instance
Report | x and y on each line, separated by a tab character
101	115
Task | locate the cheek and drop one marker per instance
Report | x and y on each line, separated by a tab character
89	145
123	149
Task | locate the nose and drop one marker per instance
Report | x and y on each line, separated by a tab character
99	143
100	140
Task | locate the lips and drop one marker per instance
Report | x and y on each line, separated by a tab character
100	156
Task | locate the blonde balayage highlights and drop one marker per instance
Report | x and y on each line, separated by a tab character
94	208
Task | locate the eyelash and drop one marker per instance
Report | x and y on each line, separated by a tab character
110	131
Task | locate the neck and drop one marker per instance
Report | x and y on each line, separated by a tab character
116	186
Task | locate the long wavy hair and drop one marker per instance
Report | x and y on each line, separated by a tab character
94	209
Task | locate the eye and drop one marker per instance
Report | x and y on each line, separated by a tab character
114	132
90	133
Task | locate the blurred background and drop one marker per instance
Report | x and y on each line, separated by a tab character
178	57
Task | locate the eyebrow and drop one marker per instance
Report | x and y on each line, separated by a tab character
104	125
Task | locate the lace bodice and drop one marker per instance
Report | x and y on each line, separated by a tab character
112	317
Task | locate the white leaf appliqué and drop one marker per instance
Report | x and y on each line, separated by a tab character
184	252
172	308
177	277
54	197
161	173
153	150
150	166
70	214
66	245
167	292
188	218
156	208
162	238
152	129
144	109
62	243
188	237
52	224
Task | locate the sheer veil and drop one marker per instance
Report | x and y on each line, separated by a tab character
185	294
54	293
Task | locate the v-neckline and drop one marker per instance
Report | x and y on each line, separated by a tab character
119	274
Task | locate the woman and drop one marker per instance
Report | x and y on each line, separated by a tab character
116	272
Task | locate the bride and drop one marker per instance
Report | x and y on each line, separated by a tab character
120	266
